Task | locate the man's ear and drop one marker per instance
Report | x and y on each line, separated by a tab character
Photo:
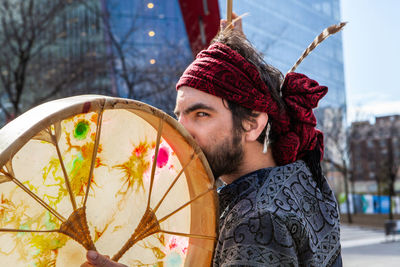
254	128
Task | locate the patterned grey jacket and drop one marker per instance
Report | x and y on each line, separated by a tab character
278	217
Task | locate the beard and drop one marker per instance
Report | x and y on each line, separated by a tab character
225	157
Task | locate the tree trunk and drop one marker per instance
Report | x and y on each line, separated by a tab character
346	190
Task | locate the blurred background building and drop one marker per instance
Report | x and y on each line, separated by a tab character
375	153
142	37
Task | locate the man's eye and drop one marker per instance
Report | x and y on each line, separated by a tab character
202	114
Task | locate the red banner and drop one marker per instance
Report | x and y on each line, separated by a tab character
201	19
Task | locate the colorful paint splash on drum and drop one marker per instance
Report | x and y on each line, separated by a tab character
163	156
177	250
171	252
81	129
41	249
78	154
134	168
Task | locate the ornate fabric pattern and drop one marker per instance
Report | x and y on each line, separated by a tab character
278	217
223	72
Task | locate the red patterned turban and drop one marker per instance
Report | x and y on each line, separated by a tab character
223	72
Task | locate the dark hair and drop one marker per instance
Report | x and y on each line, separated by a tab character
273	78
269	74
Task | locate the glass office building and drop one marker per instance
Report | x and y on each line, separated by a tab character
282	30
148	43
154	30
149	47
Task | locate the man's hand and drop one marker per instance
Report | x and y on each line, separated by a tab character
236	22
96	259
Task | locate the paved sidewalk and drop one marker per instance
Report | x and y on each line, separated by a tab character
368	247
353	236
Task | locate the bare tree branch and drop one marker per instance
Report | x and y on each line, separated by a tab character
38	61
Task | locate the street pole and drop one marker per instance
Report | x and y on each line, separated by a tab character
392	171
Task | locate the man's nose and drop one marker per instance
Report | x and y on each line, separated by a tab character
186	124
180	119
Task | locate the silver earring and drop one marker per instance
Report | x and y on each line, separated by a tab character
266	139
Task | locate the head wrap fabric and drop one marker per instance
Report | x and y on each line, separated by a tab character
223	72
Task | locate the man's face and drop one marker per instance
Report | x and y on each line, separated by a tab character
210	123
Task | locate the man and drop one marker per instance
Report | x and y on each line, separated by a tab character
276	208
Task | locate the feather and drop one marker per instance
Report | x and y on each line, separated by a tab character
319	39
230	26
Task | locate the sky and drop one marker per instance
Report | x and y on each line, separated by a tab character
371	48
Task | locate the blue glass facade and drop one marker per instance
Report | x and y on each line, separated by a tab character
281	30
135	19
152	31
151	43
